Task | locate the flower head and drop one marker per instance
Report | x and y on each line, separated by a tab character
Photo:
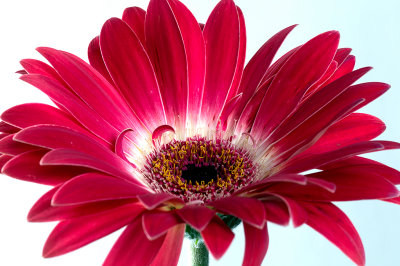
166	129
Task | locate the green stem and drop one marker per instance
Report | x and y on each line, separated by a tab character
199	253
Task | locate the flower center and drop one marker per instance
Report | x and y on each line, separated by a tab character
199	169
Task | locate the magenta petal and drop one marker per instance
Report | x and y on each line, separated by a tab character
277	212
318	160
385	171
33	66
11	147
217	237
4	159
350	130
228	110
259	63
132	72
7	128
296	211
249	210
43	211
333	224
196	216
85	115
134	17
166	48
257	241
91	87
304	68
171	248
76	158
285	178
195	55
157	223
96	59
159	131
151	200
93	187
30	114
72	234
237	79
222	38
133	247
341	55
26	167
247	115
55	137
315	103
357	183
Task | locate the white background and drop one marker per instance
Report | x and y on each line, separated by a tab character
369	27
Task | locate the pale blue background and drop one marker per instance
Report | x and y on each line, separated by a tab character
369	27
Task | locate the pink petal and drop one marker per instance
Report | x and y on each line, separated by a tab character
159	131
157	223
333	224
171	248
277	212
7	128
285	178
276	66
153	200
31	114
132	72
241	56
195	55
352	129
176	47
375	167
315	103
92	88
308	132
304	68
4	159
257	241
228	110
196	216
346	67
11	147
96	59
33	66
341	55
43	211
72	234
249	112
296	211
92	187
222	37
321	82
316	161
217	237
351	183
133	247
358	183
77	158
134	17
55	137
249	210
260	62
26	167
85	115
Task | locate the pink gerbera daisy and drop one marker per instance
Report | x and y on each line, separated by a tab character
166	132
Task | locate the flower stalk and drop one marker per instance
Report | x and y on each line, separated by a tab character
199	253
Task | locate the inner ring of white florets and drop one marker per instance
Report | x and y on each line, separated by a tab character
199	169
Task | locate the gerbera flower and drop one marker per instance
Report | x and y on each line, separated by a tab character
166	131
